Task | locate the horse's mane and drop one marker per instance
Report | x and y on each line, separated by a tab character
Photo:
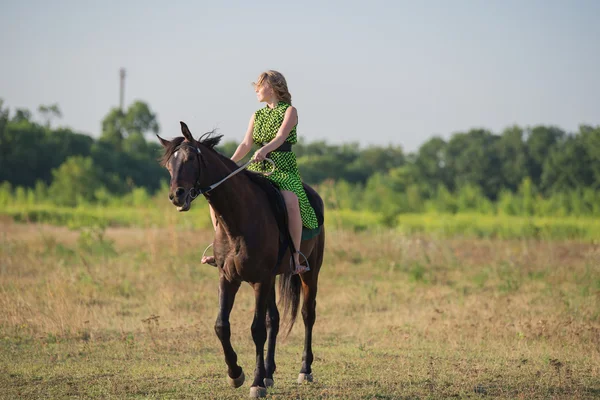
209	139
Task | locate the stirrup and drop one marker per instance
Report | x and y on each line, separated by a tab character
293	264
214	264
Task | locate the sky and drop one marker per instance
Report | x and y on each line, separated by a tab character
370	72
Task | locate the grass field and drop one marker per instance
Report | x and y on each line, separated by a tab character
128	312
159	213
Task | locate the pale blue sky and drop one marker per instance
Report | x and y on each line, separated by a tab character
374	72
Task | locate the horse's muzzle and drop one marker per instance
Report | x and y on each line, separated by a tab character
181	199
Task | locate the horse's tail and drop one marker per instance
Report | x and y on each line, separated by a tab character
289	298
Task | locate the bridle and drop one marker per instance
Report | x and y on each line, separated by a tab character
197	190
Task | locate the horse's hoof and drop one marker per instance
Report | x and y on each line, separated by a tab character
257	391
305	378
269	382
237	382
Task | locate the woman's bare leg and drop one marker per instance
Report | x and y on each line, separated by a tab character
295	224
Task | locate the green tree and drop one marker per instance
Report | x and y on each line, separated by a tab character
401	178
140	119
512	153
378	196
4	145
590	138
470	198
347	195
566	167
135	143
40	191
4	116
75	181
472	158
113	129
431	164
318	168
22	152
21	115
6	194
137	120
371	160
540	142
506	204
57	146
49	112
527	195
443	201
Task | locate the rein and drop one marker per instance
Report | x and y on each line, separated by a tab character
197	190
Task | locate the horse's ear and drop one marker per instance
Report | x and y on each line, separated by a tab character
186	132
165	143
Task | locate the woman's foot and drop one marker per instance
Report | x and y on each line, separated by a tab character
210	260
299	268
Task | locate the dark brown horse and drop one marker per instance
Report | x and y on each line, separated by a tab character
246	247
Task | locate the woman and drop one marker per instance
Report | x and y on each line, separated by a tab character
272	127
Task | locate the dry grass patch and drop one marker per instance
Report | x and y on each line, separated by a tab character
129	313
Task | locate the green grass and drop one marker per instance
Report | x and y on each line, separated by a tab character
183	365
84	216
160	214
504	227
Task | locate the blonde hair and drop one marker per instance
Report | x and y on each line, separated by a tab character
277	82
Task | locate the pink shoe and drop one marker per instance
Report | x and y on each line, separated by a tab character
210	260
300	269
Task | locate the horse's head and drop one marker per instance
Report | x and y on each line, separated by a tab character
185	159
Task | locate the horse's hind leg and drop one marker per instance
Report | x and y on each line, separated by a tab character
227	292
309	315
272	330
309	306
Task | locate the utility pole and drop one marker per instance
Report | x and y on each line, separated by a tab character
122	91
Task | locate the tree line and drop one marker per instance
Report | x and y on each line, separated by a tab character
522	170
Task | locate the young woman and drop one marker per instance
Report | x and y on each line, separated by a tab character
274	129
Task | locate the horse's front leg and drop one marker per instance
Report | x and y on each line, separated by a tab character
272	330
259	335
227	292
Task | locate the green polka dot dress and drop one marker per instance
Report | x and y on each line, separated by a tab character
286	176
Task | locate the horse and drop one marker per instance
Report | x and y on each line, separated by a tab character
247	249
